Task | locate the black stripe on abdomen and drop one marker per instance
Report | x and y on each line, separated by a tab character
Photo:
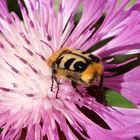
68	63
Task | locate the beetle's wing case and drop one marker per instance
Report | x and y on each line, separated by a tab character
56	55
68	60
89	57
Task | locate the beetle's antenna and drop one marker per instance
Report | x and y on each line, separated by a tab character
54	78
47	45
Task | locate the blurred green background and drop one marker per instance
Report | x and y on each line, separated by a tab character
113	98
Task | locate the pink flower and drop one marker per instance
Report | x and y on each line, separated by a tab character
28	108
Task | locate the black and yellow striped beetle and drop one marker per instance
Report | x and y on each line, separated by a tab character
81	67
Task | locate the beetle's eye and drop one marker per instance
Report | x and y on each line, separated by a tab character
80	66
94	58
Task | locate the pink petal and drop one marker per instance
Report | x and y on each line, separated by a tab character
127	84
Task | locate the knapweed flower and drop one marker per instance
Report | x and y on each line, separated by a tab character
28	108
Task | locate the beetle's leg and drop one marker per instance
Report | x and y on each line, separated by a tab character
101	82
74	84
57	82
52	82
101	88
54	78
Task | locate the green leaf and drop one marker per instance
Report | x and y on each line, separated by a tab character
116	99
